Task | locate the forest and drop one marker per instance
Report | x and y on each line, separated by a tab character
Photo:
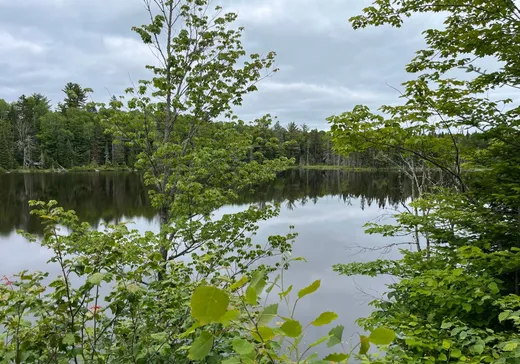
34	136
197	289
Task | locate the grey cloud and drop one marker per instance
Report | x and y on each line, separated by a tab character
325	67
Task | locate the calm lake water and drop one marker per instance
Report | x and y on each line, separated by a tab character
327	208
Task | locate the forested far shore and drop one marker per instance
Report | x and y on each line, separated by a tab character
75	136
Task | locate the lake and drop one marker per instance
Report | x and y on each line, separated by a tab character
327	208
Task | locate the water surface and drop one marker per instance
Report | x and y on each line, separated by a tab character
327	208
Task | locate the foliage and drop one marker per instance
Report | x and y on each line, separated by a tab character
454	298
6	145
84	132
106	306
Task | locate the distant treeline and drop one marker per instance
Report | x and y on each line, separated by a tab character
32	135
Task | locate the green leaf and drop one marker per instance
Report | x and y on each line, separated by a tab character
264	334
208	304
133	288
319	341
232	360
238	284
192	329
292	328
256	287
69	339
201	347
269	313
493	287
96	278
286	292
229	316
478	348
258	281
242	347
446	325
336	357
510	346
503	316
299	259
159	336
455	353
336	335
272	285
365	345
325	318
251	296
382	336
313	287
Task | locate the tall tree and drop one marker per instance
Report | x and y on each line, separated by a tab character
194	167
75	96
6	145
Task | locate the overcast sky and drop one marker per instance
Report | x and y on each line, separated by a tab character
325	67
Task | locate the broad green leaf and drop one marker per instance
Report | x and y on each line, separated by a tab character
382	336
291	328
69	339
365	345
264	334
503	316
256	287
96	278
201	347
510	346
455	353
258	281
325	318
336	357
446	344
479	348
242	347
208	304
493	287
251	296
336	336
269	313
446	325
313	287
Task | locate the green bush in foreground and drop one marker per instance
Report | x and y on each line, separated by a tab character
106	306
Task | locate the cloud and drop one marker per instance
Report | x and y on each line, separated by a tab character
306	15
319	92
9	44
326	67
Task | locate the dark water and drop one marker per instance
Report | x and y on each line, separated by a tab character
327	208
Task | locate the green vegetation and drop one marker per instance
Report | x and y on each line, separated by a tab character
457	296
192	291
